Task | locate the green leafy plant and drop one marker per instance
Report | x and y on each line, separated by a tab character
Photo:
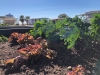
70	30
95	26
3	38
4	24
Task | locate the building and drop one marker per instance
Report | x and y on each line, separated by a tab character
7	19
32	21
56	19
89	15
1	19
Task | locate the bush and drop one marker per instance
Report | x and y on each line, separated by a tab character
4	24
70	30
3	38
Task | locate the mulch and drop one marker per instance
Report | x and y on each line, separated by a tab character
58	66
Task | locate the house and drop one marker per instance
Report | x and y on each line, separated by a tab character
8	19
56	19
88	15
33	20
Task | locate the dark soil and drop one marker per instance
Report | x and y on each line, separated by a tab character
58	66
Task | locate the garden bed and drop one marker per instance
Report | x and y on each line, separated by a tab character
58	66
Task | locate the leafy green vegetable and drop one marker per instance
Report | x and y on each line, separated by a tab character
69	29
3	38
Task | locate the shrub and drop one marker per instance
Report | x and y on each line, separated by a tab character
3	38
70	30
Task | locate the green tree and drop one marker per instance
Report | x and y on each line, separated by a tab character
27	18
22	19
62	16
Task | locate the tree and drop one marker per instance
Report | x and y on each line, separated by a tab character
26	19
62	16
22	19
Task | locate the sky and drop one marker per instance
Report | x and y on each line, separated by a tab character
47	8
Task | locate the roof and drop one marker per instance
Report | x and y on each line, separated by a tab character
56	19
92	12
89	13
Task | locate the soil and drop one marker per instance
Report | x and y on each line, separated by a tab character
58	66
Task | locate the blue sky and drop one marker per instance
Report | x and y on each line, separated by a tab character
47	8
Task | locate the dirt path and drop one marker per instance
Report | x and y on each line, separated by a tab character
65	58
